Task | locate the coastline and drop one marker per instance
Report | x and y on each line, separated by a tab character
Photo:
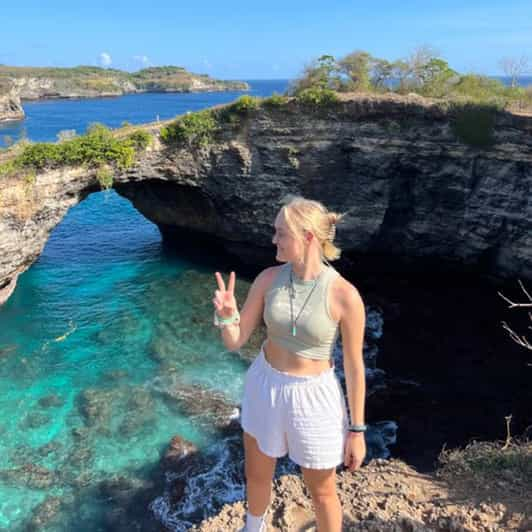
118	95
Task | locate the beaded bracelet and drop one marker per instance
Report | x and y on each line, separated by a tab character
223	322
357	428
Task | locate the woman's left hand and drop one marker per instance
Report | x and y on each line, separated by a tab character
354	450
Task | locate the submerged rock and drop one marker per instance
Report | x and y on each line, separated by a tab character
31	475
52	400
115	375
49	448
45	513
210	407
35	420
126	501
178	449
95	406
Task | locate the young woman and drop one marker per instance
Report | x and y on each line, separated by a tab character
293	402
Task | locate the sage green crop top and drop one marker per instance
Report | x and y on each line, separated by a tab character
316	331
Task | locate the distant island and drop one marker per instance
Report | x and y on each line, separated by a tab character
34	83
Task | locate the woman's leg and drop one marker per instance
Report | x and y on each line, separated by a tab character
259	469
322	486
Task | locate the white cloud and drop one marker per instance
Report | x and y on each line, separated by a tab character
105	59
142	59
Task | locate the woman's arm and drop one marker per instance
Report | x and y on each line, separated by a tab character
236	335
352	324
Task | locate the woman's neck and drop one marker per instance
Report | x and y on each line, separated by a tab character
308	271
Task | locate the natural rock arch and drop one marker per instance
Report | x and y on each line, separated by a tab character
416	197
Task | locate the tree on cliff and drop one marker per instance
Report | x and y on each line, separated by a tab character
356	69
382	74
424	72
322	73
515	67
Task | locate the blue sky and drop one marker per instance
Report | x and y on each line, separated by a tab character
252	40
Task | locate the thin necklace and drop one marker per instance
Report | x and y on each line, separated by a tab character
292	297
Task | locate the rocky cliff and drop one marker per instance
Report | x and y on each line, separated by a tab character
10	107
32	83
417	197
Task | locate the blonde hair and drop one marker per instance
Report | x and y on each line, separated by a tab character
310	215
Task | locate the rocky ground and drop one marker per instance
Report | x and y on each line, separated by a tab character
391	496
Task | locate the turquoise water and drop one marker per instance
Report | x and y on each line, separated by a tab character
104	342
103	310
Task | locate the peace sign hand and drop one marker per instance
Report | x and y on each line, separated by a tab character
224	299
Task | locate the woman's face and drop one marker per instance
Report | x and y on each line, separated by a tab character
289	246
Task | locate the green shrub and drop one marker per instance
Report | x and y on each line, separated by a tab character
234	112
479	88
39	155
474	124
275	100
194	129
8	168
104	176
96	148
317	97
245	104
140	139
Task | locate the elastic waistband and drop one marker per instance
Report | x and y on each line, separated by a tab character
282	377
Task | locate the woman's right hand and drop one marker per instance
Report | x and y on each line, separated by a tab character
224	299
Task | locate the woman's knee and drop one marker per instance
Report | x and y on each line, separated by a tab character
259	471
321	484
259	467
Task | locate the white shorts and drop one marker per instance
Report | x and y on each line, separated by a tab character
304	416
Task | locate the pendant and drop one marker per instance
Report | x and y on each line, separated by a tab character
293	330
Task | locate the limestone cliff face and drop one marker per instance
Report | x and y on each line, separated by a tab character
416	197
36	88
10	107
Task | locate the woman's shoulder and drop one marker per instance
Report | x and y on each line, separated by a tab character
266	277
343	290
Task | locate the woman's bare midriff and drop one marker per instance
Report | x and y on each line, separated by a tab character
289	362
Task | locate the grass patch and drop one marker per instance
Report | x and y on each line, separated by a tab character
474	124
487	462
